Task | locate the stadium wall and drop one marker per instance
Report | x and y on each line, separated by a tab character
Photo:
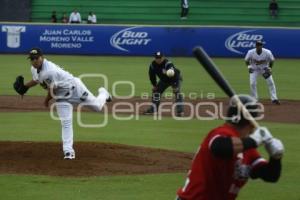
144	40
15	10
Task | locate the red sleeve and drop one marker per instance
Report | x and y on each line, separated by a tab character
254	159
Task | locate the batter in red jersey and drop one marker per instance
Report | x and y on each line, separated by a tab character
228	157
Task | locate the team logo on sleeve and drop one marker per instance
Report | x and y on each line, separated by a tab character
242	41
129	37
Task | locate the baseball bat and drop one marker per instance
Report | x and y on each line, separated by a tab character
218	77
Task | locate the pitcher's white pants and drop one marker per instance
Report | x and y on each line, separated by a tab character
270	82
65	110
65	113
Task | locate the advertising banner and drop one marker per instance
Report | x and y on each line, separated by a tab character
145	40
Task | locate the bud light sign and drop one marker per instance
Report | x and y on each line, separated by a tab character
242	41
129	37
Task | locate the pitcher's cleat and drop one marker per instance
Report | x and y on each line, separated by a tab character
276	101
102	90
69	156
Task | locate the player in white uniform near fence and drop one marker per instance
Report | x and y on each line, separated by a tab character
260	62
66	90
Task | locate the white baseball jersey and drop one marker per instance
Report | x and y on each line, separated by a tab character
54	76
185	3
92	18
75	17
259	61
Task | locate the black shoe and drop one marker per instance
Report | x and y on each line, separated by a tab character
105	92
276	101
109	99
69	156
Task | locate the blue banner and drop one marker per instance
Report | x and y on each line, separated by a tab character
145	40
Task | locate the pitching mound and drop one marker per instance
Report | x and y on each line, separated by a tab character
92	159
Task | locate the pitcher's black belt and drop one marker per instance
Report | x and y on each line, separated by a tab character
84	96
68	93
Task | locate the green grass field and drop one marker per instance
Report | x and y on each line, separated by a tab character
167	133
135	69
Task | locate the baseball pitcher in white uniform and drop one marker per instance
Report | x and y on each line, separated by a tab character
65	89
260	62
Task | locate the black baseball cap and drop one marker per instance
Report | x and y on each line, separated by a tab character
35	53
259	43
158	54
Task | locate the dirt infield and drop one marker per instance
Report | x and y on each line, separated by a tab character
287	112
93	159
97	159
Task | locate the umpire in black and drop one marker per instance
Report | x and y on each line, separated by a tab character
158	68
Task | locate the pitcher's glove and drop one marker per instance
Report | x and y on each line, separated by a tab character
19	85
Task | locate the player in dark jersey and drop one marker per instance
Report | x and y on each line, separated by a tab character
228	157
168	76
